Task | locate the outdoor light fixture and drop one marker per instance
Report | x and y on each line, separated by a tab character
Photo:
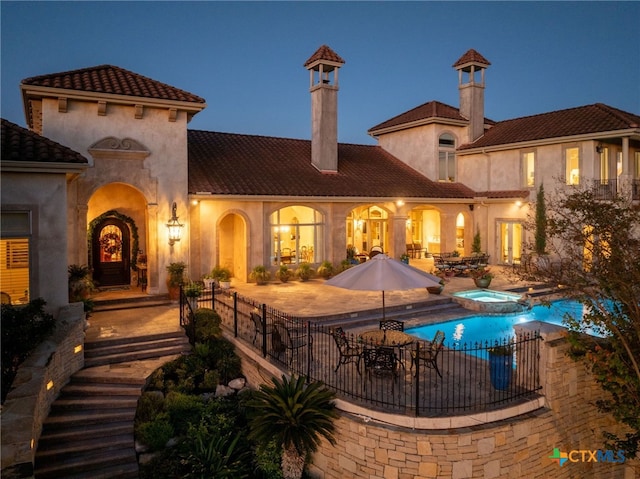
599	148
175	228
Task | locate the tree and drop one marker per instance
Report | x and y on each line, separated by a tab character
541	223
596	250
297	416
476	246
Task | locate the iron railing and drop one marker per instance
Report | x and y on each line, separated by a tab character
461	385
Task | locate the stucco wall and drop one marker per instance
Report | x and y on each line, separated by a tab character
45	196
516	447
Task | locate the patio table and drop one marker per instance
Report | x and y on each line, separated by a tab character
387	340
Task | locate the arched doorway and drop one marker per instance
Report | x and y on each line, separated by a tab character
111	241
232	241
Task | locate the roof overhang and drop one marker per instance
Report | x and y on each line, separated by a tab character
416	123
42	167
631	133
38	92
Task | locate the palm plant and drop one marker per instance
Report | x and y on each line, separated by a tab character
296	416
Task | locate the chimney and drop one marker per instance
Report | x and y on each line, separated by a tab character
323	68
471	68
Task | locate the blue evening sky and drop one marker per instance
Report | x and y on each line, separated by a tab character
246	58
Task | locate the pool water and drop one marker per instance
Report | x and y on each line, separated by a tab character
492	328
487	295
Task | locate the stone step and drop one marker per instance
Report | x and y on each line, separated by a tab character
88	418
134	356
93	351
63	448
104	377
97	404
88	464
127	470
100	343
80	433
82	389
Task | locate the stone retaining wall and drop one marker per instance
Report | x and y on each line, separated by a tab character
519	446
37	384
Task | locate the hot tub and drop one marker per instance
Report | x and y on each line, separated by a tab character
489	301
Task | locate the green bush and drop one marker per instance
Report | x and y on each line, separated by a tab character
183	410
23	329
207	324
150	405
156	433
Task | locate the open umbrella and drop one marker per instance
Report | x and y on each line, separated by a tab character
382	273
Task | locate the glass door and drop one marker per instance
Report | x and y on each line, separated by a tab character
510	241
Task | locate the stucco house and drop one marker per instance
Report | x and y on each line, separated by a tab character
438	175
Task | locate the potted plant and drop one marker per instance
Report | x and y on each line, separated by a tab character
304	271
325	270
175	279
260	274
81	283
405	258
481	277
351	255
222	275
501	365
284	273
437	289
193	291
208	281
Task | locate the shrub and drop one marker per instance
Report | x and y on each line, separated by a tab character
207	324
325	270
150	405
23	329
183	410
156	433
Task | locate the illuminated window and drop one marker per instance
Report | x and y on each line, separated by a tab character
446	158
604	166
636	165
528	168
110	244
572	163
15	256
297	235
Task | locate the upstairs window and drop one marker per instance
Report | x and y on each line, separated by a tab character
446	157
529	169
572	166
15	257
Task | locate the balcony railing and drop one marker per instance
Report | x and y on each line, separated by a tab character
461	384
604	189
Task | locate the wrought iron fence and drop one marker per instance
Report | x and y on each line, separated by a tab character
396	378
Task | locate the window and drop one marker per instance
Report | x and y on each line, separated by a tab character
14	256
528	169
604	166
297	235
572	166
446	157
636	165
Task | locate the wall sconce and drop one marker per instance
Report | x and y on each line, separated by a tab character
518	203
175	228
471	207
599	148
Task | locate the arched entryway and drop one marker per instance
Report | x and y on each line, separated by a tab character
111	252
232	241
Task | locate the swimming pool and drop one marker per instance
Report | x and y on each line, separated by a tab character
492	328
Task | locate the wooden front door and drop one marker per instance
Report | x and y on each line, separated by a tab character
111	240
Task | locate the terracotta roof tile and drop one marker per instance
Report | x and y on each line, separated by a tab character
471	56
324	53
503	194
112	80
596	118
432	109
20	144
233	164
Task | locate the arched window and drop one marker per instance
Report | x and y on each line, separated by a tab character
446	157
297	235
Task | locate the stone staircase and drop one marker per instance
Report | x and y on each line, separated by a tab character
89	431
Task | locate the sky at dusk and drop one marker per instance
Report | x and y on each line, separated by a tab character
246	58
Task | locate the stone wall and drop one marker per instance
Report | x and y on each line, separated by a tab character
519	446
36	386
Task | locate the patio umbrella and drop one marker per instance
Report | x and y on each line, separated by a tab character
382	273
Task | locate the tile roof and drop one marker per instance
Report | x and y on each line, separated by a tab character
324	53
234	164
503	194
471	56
20	144
589	119
112	80
432	109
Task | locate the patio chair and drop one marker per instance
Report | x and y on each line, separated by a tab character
380	361
429	353
392	325
258	325
284	338
348	351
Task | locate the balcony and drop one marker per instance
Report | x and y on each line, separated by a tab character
604	189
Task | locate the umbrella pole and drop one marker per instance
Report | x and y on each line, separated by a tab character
383	315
